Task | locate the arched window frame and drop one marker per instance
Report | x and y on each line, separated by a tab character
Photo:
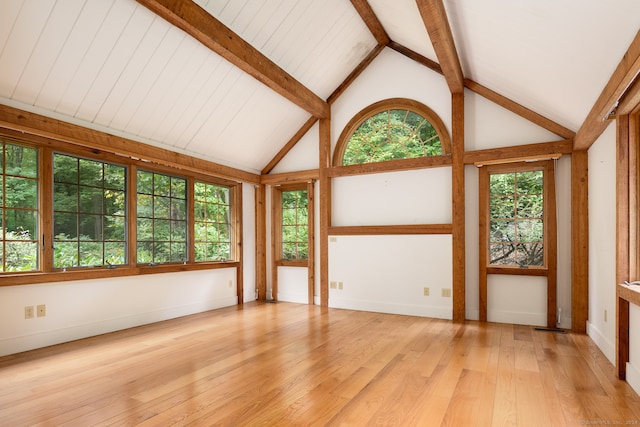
391	104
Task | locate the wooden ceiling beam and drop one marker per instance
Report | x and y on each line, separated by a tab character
371	20
623	76
197	22
435	20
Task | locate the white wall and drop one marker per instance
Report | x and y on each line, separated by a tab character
91	307
79	309
602	243
633	367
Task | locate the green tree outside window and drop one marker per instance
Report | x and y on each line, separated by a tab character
19	208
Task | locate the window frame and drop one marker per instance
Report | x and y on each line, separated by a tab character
277	230
46	273
385	105
549	215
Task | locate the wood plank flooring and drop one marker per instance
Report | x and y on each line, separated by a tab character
289	364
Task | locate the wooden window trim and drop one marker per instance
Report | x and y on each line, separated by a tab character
46	274
276	236
391	104
549	269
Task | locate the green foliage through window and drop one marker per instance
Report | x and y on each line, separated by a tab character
392	134
295	227
516	213
19	208
162	218
89	212
212	222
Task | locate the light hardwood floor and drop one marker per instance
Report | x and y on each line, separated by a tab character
290	364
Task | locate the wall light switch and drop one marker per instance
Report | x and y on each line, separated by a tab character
426	292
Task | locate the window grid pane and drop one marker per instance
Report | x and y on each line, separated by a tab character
390	135
89	216
161	218
212	227
294	225
19	208
516	211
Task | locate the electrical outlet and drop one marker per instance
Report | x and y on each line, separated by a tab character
42	310
28	312
426	292
340	285
333	239
446	292
332	285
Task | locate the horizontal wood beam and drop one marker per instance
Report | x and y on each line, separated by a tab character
35	124
289	177
197	22
435	20
390	166
363	230
623	76
520	110
518	151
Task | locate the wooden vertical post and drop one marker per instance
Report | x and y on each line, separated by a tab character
623	228
325	208
458	208
261	242
237	223
551	242
579	240
311	268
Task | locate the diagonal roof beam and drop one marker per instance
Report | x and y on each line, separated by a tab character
371	20
435	20
623	76
198	23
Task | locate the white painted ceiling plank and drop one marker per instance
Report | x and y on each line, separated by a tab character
46	51
135	102
8	19
115	109
169	85
72	53
120	56
21	42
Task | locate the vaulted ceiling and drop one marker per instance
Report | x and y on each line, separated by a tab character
118	67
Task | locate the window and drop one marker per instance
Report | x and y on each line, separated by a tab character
212	222
516	217
391	130
294	225
19	208
89	212
291	207
162	218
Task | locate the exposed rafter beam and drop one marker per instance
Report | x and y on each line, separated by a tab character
435	20
371	20
197	22
623	76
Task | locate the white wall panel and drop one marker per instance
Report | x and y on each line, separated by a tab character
90	307
517	299
407	197
602	242
293	284
633	366
388	274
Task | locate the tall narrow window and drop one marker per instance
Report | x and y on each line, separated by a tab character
294	225
89	212
212	222
162	218
516	218
19	208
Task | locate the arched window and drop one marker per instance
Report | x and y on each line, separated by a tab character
389	130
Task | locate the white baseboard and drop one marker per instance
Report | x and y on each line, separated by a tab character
607	347
75	332
392	308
